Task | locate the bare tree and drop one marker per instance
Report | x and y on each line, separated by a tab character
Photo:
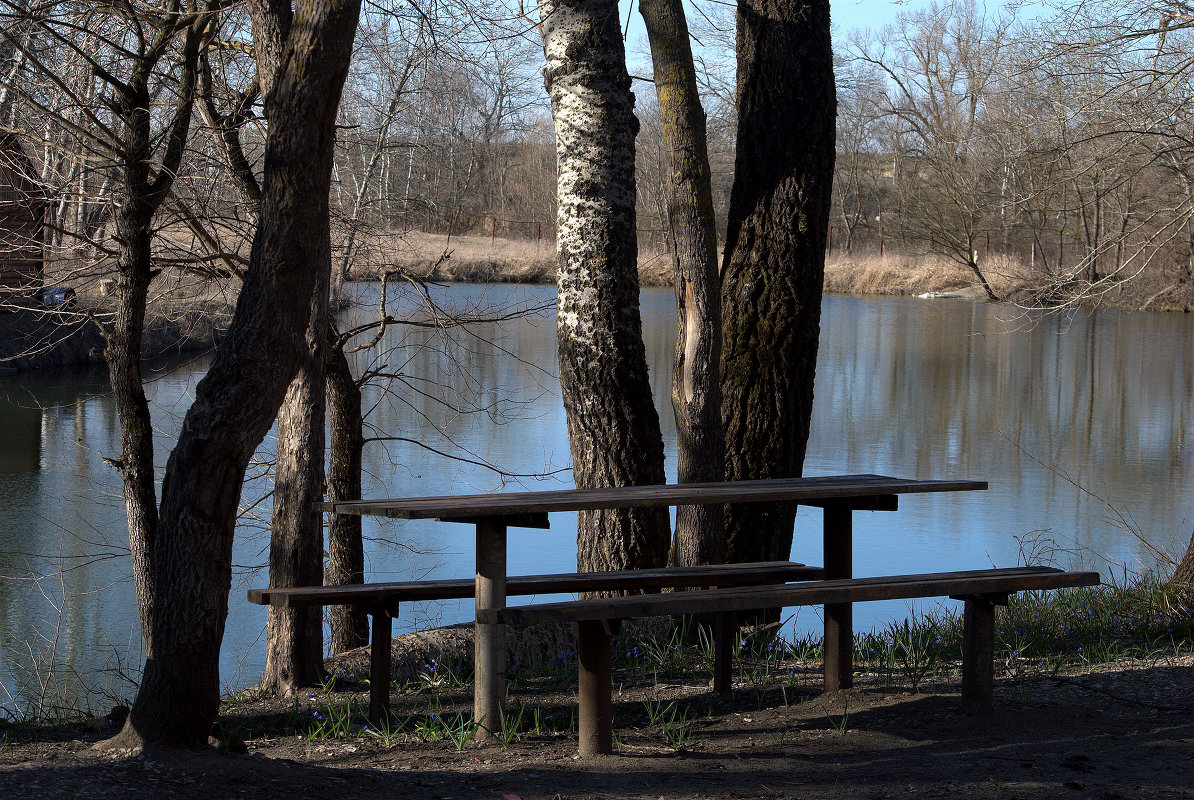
305	63
940	68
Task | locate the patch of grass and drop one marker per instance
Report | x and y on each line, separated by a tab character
677	729
333	720
1142	619
454	674
657	710
842	723
389	732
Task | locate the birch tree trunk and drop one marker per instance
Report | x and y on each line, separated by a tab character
613	428
238	399
775	256
696	391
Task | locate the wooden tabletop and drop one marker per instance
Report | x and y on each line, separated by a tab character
512	504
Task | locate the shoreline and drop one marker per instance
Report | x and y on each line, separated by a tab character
44	339
37	339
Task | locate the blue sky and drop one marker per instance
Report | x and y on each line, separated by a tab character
847	14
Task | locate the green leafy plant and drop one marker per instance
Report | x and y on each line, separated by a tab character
389	731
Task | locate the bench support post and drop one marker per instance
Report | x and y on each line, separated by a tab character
978	653
380	657
595	725
490	639
725	628
839	617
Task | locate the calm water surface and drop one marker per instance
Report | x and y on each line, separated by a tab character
1083	424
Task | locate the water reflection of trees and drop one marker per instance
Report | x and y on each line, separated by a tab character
1027	401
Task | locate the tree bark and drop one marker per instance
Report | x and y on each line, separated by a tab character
346	555
1184	574
775	257
294	637
123	354
696	391
613	428
238	399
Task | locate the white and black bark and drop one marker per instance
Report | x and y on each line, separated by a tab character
613	428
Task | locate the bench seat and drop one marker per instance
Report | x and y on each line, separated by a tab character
381	600
596	622
383	595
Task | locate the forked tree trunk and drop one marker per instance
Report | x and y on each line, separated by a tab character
696	391
238	399
346	555
613	428
775	256
143	190
294	636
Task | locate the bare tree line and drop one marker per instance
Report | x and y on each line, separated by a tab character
1056	142
1048	155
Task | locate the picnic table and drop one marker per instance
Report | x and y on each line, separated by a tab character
494	514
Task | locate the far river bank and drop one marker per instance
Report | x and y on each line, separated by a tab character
46	339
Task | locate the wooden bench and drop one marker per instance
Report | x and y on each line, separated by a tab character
381	600
597	620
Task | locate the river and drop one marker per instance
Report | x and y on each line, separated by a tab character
1083	423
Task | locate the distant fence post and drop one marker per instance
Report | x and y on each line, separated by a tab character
493	236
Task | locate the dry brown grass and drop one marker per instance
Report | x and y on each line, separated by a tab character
903	274
481	259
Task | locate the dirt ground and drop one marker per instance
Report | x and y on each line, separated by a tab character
1121	731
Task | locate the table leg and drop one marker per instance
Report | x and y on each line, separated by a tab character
839	622
978	654
380	657
489	686
594	691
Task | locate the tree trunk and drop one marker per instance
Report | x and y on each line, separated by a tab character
294	636
1184	574
123	354
237	400
346	555
696	389
775	257
613	428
